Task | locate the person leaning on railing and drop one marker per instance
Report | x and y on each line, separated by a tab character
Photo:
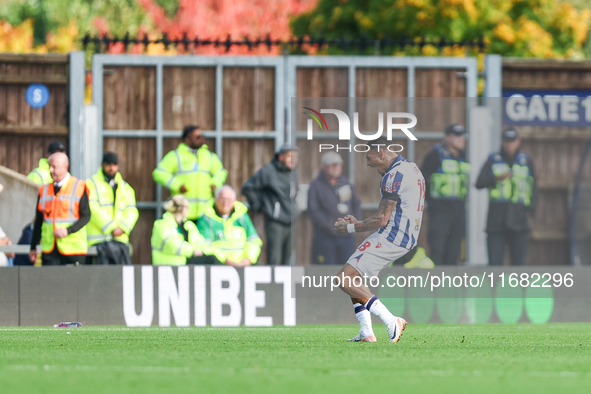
176	240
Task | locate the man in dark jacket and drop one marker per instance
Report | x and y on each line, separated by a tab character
513	195
272	190
331	197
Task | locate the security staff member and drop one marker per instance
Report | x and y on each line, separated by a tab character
227	226
41	175
510	179
446	170
62	213
176	240
192	170
113	211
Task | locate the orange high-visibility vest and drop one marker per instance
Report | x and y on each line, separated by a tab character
62	211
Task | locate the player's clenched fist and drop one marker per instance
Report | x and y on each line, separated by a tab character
341	224
350	219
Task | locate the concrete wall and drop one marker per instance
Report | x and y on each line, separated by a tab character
17	202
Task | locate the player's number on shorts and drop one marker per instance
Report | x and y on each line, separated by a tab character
421	206
365	246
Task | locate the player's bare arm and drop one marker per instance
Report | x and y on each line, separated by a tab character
371	223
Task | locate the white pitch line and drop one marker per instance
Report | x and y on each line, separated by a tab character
90	328
282	371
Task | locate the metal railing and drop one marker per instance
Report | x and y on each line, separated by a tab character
24	249
102	43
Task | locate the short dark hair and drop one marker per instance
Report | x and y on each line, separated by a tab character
110	158
188	129
383	140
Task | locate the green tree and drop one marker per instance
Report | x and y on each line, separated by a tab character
94	16
539	28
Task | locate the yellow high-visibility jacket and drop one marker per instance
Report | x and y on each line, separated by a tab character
108	212
168	244
196	171
41	174
234	238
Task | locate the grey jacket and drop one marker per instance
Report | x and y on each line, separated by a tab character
272	190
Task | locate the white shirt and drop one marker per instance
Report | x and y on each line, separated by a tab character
63	181
404	179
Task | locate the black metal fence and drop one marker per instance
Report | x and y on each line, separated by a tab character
101	44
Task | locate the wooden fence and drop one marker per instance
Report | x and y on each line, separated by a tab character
248	102
25	132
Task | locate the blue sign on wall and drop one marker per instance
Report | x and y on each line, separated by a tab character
37	95
547	108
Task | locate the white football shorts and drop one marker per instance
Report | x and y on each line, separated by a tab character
374	254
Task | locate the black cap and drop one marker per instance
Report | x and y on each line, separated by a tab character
456	129
55	146
286	148
110	158
510	135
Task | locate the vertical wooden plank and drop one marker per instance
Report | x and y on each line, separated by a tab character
439	83
380	82
61	106
136	162
129	98
24	115
189	97
12	98
241	166
3	93
322	82
37	113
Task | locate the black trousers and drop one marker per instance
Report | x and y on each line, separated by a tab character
278	242
203	260
516	241
446	231
330	250
56	258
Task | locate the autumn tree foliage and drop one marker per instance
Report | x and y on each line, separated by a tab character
57	25
528	28
216	19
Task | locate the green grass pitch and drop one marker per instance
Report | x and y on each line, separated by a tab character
493	358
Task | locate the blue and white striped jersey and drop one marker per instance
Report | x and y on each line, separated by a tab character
405	180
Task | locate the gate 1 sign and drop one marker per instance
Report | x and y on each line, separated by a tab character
37	95
547	108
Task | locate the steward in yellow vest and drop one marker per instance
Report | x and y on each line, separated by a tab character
176	240
41	175
62	213
191	170
228	227
113	211
513	195
446	173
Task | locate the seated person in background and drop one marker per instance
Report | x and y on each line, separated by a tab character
227	225
176	240
25	239
5	258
